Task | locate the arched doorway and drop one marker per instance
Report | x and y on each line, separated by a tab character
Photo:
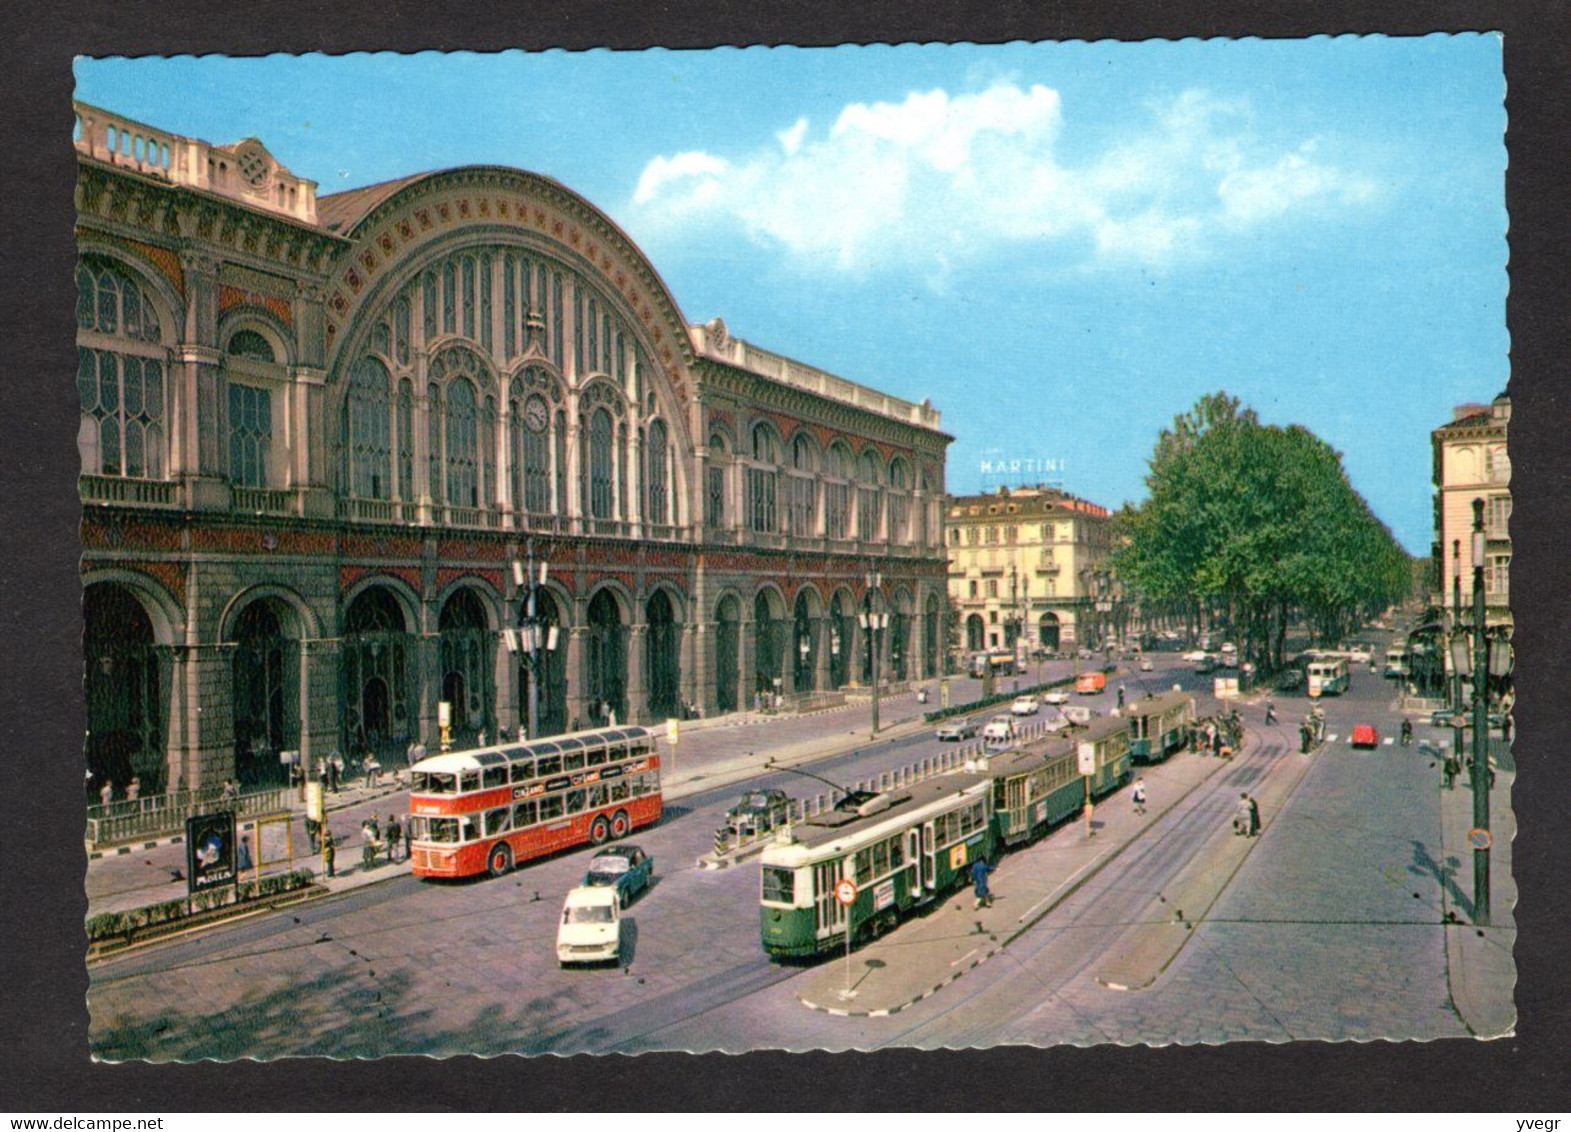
804	640
606	660
1047	632
728	641
976	633
378	692
930	636
840	638
467	651
899	637
662	657
125	683
551	696
266	682
769	642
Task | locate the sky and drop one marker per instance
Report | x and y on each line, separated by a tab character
1062	246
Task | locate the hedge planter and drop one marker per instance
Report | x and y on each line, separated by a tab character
112	930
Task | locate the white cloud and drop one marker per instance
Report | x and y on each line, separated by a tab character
938	180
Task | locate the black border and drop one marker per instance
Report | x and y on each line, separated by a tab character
43	1043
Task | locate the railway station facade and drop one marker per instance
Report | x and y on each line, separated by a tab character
317	433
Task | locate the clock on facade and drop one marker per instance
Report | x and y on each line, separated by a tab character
534	414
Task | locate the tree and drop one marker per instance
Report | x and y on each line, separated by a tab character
1250	525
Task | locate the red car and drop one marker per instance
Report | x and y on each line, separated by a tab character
1365	736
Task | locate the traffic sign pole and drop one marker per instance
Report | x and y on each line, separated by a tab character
845	893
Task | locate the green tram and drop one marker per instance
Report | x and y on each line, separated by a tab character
903	849
906	848
1159	725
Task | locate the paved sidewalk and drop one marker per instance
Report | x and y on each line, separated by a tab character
927	953
1479	959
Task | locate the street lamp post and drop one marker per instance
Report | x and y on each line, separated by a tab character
1457	730
871	621
1485	658
534	636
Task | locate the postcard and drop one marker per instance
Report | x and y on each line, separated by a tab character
935	546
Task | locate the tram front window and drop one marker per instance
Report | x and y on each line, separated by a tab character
779	885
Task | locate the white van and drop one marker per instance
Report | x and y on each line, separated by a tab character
590	930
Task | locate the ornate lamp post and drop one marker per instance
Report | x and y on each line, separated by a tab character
872	621
1490	656
534	636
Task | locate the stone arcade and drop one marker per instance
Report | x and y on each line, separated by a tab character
316	433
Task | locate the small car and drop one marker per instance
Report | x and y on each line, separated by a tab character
1145	664
1056	696
759	811
999	729
626	869
1025	705
956	729
1080	714
1365	736
590	930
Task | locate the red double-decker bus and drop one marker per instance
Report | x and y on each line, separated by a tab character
491	808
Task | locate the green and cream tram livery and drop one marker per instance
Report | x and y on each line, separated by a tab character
1159	725
902	849
1040	785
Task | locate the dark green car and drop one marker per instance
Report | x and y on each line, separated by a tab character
627	868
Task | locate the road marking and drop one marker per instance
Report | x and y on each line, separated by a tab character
1389	741
964	957
1046	899
1332	738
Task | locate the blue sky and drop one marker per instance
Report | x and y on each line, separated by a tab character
1062	245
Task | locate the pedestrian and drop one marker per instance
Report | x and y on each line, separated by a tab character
329	852
395	834
1270	713
1120	697
480	739
243	855
106	792
1254	815
1139	796
1241	816
335	767
1407	733
369	840
313	833
979	872
133	789
1505	727
1451	770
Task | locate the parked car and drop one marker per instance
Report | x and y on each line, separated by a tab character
957	729
1365	736
590	930
1145	664
999	729
1056	696
758	812
1025	705
1080	714
626	869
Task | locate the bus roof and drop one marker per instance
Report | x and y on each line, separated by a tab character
499	754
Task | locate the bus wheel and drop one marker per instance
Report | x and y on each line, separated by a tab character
599	832
500	860
621	825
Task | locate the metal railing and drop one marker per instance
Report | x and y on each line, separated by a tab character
160	814
116	489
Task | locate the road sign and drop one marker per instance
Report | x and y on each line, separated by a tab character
845	892
1479	839
1085	757
1459	720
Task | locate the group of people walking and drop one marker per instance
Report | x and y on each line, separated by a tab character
375	839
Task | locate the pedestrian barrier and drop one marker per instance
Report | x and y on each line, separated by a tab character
158	814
